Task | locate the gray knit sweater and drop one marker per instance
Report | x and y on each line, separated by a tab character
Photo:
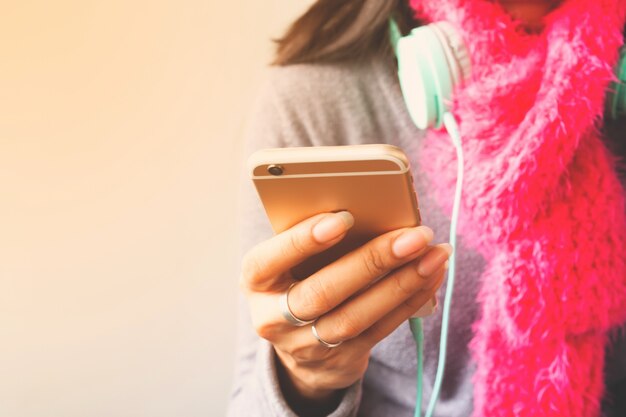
357	103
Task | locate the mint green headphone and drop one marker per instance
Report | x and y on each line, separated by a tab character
616	96
433	60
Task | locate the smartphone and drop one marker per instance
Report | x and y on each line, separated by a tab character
373	182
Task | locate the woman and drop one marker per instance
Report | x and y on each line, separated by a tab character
534	308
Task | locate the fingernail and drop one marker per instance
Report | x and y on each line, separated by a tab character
427	309
434	259
434	281
411	241
332	226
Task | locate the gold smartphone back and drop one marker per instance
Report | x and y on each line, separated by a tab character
373	182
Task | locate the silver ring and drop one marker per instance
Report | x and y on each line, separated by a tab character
322	341
283	303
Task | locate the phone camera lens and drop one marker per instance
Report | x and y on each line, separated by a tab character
275	170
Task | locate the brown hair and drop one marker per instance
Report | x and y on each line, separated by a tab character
333	30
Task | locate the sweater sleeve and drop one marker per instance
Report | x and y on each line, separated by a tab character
614	404
256	391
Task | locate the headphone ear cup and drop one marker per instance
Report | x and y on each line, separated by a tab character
416	80
616	96
456	51
432	61
441	70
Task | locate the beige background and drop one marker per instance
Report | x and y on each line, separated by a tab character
120	130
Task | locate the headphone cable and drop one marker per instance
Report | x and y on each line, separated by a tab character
416	324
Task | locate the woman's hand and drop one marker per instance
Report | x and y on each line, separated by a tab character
351	304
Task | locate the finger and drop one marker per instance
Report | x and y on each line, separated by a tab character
273	257
360	313
302	346
385	326
434	259
335	283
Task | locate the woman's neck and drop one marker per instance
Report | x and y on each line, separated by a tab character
531	12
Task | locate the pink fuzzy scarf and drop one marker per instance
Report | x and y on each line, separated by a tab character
542	202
